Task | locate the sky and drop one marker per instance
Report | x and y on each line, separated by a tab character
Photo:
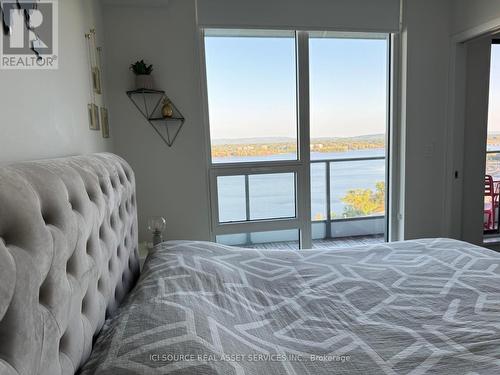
251	87
494	105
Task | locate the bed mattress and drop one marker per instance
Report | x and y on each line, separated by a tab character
416	307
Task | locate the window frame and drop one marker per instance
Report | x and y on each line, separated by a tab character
302	166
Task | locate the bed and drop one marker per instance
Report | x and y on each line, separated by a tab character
417	307
429	306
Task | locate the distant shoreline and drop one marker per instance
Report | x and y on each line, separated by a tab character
266	147
269	140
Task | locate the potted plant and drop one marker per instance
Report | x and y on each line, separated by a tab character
143	78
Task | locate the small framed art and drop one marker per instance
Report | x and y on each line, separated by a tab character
96	80
95	113
92	122
104	122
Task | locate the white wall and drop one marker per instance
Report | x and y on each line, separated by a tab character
171	182
338	15
44	113
468	14
425	74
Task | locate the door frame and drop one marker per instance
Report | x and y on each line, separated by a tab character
455	127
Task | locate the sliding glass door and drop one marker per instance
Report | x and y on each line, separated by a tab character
297	136
349	117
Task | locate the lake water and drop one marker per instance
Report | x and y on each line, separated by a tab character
273	195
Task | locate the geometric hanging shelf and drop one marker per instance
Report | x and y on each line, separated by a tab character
148	102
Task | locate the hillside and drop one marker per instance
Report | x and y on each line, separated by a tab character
274	146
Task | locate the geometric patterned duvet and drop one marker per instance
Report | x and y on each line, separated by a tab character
415	307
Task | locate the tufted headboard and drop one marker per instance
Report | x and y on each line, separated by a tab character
68	256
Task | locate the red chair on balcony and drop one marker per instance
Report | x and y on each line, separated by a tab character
490	202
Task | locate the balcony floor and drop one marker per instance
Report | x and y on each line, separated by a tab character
323	244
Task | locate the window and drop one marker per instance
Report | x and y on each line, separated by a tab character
348	101
252	95
348	95
256	197
298	126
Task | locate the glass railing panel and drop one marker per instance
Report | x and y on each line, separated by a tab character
493	165
318	192
357	189
283	239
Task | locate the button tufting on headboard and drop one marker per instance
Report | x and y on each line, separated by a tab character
67	258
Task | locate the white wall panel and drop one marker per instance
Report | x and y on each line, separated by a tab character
351	15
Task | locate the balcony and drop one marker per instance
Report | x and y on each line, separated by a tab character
347	205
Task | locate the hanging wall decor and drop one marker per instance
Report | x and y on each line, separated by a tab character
96	80
166	120
98	117
95	113
104	110
95	66
92	124
104	122
92	107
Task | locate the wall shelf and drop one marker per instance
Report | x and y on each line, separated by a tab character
148	102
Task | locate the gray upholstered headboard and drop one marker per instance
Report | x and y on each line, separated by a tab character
68	256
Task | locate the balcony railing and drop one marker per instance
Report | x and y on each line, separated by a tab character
333	181
364	180
492	229
493	163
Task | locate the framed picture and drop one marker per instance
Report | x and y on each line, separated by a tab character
96	80
104	122
92	122
95	113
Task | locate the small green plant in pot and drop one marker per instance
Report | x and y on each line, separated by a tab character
143	77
